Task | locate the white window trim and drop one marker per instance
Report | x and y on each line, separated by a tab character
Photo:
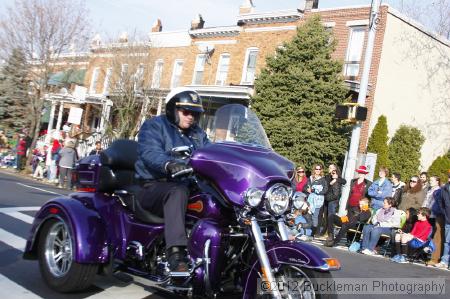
94	79
244	67
155	69
197	66
348	49
352	23
173	71
108	74
218	68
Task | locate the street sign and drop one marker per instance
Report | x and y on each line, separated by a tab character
75	115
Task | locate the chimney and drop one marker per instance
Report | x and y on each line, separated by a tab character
308	5
246	7
157	26
197	23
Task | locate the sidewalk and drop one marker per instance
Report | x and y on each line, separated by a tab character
24	175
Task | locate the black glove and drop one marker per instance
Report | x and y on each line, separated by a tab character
174	167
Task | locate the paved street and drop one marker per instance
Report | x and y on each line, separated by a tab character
21	197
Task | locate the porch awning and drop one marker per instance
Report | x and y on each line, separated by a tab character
67	77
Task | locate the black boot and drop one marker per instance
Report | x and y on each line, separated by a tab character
177	258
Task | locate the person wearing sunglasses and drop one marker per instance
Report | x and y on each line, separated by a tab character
316	188
300	178
414	195
156	165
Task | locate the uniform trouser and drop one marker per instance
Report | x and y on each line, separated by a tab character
169	201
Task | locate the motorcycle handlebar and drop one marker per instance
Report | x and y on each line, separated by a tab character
183	172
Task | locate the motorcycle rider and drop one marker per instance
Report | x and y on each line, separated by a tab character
155	165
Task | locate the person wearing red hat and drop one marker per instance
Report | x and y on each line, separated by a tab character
359	188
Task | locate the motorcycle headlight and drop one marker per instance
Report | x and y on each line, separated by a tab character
278	198
253	197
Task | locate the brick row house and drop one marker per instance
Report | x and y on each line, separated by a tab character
409	77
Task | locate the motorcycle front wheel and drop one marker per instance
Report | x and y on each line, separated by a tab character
56	252
298	283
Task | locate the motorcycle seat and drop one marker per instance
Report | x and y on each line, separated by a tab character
117	176
128	198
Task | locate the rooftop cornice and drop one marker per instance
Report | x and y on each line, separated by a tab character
282	16
216	31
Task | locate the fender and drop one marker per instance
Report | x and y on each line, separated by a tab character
301	254
87	227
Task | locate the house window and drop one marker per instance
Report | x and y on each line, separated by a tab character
176	74
138	77
107	79
92	88
354	51
222	69
248	74
199	69
157	73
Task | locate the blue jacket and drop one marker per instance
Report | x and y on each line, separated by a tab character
156	139
379	192
443	200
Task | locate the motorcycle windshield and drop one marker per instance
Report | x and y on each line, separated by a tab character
241	157
238	124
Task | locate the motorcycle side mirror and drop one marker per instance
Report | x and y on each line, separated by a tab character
182	151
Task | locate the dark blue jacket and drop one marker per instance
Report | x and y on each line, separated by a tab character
156	138
443	200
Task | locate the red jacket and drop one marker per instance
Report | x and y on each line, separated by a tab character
22	147
421	230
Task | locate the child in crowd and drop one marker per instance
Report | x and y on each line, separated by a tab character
301	222
418	236
346	222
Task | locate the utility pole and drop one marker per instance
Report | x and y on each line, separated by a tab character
356	133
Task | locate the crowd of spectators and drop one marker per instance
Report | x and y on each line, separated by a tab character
384	215
52	161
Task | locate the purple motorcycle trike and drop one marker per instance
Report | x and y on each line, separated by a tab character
238	243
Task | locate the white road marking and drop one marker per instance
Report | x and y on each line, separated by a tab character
10	289
16	213
21	216
40	189
116	288
18	209
12	240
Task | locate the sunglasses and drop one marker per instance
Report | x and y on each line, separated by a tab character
300	171
411	181
187	113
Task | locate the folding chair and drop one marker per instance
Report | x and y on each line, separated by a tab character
423	252
387	238
359	228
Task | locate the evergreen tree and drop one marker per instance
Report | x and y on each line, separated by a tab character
404	151
14	101
296	97
378	143
440	167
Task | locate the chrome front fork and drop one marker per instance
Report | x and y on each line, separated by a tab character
262	256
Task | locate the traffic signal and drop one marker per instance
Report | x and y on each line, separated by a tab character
351	112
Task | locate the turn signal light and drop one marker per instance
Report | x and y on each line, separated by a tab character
333	263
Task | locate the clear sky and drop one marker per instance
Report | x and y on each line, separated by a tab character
111	17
